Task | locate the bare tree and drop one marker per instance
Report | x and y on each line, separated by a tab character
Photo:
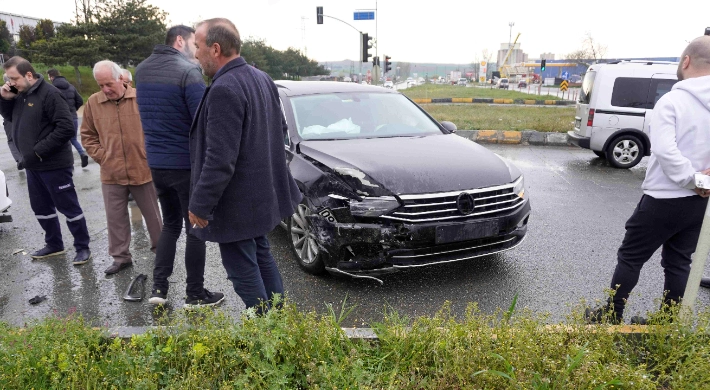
596	50
591	51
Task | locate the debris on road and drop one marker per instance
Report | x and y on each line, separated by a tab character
17	251
38	299
139	283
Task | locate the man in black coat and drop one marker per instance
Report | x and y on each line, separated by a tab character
241	187
41	128
74	101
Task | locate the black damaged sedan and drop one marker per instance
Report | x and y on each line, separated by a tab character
387	187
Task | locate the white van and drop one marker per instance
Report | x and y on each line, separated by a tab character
615	107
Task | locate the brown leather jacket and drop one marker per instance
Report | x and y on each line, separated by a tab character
113	136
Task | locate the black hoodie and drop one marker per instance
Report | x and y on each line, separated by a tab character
41	126
70	94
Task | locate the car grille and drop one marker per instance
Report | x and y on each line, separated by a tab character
488	202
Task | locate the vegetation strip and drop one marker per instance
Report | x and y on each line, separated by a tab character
292	349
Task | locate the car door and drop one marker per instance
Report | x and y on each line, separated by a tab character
661	83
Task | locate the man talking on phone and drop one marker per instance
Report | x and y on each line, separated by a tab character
42	126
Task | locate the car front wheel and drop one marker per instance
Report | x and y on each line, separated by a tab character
303	241
625	151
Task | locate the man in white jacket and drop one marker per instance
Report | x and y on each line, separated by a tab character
671	210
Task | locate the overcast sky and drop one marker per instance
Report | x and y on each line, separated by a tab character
444	31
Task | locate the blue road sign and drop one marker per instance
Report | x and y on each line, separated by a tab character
364	15
565	75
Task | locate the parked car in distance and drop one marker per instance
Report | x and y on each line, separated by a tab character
386	187
522	84
389	84
5	201
502	83
462	81
615	105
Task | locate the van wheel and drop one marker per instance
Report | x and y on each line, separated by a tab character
625	151
303	241
599	154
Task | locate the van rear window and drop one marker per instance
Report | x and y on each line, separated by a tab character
586	96
630	92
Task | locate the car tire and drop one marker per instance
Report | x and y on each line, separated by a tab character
303	242
599	154
625	151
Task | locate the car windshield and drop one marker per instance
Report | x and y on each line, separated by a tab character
359	115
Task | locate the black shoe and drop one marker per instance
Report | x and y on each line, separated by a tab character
84	160
82	257
46	252
20	166
130	197
158	297
115	267
705	282
206	299
602	314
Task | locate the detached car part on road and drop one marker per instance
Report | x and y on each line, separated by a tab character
5	201
387	187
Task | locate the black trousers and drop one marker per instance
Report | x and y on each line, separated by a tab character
52	191
673	224
173	188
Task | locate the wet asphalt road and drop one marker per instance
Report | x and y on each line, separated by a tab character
579	207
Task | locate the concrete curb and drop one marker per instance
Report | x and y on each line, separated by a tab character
126	332
532	102
525	137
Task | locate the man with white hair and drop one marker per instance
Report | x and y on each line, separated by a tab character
113	136
127	77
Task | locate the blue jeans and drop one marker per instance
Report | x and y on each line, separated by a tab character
252	270
74	141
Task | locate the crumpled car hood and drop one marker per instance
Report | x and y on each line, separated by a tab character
410	165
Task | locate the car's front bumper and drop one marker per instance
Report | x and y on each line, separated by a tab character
574	138
375	248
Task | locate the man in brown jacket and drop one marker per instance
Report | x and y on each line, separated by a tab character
113	136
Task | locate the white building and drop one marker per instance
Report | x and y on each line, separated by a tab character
516	55
15	21
547	56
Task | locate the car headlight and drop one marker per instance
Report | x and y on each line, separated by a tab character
373	206
519	188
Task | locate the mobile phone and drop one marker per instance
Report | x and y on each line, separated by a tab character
14	90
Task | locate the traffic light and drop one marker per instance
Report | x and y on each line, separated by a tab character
319	15
366	46
375	61
388	63
542	65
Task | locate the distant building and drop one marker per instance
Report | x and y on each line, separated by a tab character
516	55
547	56
15	21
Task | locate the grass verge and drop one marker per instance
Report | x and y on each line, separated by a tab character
289	349
486	117
454	91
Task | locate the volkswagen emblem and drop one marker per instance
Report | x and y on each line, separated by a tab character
465	203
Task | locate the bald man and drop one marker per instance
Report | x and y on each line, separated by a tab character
671	210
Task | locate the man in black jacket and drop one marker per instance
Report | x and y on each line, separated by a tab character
41	128
74	100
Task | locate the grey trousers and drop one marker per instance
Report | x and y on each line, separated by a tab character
118	221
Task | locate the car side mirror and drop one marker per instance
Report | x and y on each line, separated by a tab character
449	126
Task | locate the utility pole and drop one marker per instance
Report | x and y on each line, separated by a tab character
303	35
510	38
